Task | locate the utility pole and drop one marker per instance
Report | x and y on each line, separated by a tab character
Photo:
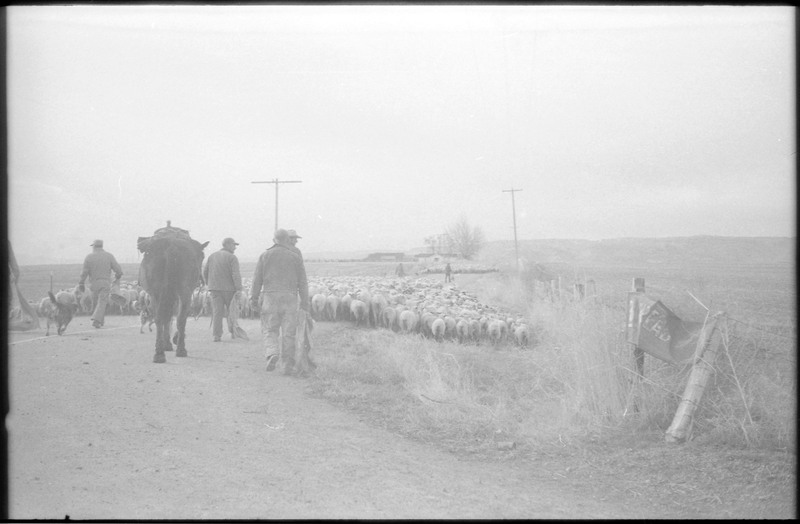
276	182
514	213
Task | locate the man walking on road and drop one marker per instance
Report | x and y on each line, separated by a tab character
221	274
98	266
282	275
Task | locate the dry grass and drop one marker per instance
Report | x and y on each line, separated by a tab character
578	380
575	407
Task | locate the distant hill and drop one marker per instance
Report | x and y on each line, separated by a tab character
630	252
642	252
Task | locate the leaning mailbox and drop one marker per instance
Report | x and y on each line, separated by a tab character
660	332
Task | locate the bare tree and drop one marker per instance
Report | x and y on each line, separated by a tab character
431	241
465	239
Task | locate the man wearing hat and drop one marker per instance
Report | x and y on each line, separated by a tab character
281	274
98	266
221	274
293	236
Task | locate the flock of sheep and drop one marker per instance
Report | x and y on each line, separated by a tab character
404	305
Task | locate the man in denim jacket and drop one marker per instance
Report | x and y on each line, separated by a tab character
281	274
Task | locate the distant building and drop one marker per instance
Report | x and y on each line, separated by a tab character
385	257
435	258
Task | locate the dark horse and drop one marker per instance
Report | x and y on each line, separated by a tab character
169	272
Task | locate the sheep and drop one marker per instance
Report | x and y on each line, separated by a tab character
450	327
376	305
344	307
359	311
522	335
197	302
332	308
318	303
130	295
389	318
68	297
438	329
462	330
426	323
497	331
475	330
207	307
416	304
86	303
408	321
364	296
484	322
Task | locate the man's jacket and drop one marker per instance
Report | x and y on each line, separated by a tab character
280	268
221	272
99	264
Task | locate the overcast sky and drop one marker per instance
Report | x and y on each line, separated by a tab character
399	120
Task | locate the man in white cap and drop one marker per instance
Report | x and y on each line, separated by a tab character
282	275
221	274
98	266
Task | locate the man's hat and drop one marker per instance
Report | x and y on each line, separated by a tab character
97	243
229	240
281	235
293	234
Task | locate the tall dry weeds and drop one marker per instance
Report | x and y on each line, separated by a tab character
578	379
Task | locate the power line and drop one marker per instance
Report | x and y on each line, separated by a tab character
514	214
276	182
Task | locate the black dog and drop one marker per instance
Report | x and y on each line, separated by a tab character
59	314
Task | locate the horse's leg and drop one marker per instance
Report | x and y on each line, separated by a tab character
168	333
164	318
180	322
159	357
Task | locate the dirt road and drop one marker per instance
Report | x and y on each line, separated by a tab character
98	431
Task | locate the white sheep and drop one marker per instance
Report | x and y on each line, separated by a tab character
332	308
474	329
497	331
450	327
389	318
344	307
318	303
438	329
462	330
359	311
408	321
522	335
376	306
426	323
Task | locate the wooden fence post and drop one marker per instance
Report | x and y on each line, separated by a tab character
638	353
703	367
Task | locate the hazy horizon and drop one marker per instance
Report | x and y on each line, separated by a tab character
613	121
418	249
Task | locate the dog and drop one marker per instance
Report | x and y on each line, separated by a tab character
58	313
146	312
